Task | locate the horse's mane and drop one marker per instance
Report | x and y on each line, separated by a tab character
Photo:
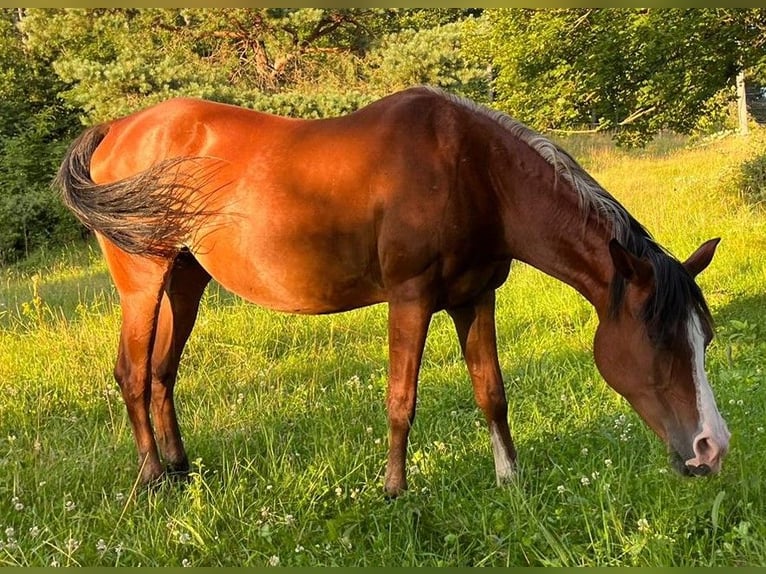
666	313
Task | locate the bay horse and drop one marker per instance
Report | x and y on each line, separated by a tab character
420	200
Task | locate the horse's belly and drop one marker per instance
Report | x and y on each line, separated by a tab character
297	277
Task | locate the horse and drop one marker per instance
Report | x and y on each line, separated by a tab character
420	200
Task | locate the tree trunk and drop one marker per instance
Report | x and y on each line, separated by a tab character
742	104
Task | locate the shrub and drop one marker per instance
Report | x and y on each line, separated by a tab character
752	179
31	214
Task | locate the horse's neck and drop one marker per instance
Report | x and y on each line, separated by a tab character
548	230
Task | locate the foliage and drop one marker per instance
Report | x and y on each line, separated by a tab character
275	58
752	179
117	60
636	72
33	131
430	56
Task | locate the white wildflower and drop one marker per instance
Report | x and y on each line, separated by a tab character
585	481
643	525
274	561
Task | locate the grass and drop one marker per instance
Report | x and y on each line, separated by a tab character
284	419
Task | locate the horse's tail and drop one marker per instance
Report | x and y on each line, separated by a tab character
152	213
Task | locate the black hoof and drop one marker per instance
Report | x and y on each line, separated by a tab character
177	473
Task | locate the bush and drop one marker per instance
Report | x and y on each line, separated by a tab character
31	214
752	180
307	104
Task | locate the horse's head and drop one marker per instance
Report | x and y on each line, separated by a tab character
651	349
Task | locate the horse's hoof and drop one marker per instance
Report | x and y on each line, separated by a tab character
393	491
178	472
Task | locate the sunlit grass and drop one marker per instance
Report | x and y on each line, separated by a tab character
284	419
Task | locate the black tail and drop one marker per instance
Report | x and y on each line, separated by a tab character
152	213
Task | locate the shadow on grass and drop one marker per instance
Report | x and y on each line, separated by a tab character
750	308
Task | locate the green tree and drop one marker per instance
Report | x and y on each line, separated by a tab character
118	60
634	71
33	125
432	56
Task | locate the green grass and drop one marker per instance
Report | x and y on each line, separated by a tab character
284	419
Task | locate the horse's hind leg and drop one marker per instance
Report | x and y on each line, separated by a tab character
178	311
407	328
475	325
139	282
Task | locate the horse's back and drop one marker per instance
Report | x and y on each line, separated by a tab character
180	127
317	215
191	127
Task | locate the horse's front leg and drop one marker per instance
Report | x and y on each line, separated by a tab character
475	325
407	328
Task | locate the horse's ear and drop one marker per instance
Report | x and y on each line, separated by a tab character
630	267
701	258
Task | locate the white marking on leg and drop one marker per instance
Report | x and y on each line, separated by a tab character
504	470
712	427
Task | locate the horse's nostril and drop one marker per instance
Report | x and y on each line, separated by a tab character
703	446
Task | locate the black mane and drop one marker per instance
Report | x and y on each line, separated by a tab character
667	311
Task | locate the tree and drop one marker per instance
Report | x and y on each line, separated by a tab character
634	71
33	125
118	60
432	56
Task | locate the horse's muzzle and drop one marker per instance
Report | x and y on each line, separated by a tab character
684	469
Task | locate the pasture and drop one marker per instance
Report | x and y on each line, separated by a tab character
284	418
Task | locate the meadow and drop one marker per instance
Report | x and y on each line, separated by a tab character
284	418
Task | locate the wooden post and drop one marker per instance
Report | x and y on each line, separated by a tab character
742	104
